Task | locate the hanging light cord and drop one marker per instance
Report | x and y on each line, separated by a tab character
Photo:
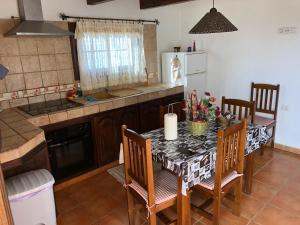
213	3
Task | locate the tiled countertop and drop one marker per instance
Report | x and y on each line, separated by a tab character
89	108
20	132
18	135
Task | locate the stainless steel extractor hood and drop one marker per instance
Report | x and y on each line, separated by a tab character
32	22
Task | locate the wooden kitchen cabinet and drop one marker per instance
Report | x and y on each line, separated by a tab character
107	129
128	116
141	118
106	137
149	115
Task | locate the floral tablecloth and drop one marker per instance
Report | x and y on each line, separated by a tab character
194	158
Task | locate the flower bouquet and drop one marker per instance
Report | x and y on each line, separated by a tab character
200	112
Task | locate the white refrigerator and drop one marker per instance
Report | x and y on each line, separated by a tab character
192	67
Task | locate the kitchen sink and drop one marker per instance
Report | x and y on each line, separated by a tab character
100	96
125	92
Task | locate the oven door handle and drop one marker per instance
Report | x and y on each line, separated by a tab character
58	144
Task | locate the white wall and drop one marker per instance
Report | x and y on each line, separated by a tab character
168	32
257	52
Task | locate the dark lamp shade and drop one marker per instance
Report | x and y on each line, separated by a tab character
213	22
3	71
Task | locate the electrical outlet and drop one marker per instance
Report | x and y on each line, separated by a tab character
287	30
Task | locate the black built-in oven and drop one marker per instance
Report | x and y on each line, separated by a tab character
71	150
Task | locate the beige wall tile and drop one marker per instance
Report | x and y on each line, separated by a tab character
47	62
45	46
27	45
62	45
33	80
65	77
63	94
64	61
15	82
36	99
18	102
30	64
2	86
50	97
49	78
9	47
12	63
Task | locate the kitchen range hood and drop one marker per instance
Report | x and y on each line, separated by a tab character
32	22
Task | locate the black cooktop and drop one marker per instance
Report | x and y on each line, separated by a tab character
48	106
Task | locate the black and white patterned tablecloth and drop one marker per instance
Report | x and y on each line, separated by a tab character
193	157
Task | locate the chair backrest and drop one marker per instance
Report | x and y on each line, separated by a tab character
178	108
240	108
138	161
230	151
266	97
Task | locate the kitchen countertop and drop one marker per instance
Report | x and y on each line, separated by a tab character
18	135
20	132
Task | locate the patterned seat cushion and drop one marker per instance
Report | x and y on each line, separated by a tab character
165	185
264	121
210	183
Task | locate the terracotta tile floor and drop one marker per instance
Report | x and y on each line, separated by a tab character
275	200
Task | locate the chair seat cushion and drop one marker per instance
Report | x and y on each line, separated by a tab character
210	183
165	185
264	121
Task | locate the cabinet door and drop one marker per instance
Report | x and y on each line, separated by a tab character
128	116
149	115
106	138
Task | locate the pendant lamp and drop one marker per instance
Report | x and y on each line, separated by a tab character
213	22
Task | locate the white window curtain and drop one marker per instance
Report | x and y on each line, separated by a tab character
110	52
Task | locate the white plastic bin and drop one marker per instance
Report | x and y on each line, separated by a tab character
31	198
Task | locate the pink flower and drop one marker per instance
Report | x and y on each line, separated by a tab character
212	99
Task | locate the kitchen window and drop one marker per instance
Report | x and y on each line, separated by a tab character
110	53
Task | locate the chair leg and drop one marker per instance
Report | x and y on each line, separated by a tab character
237	196
216	212
130	204
152	219
262	149
273	137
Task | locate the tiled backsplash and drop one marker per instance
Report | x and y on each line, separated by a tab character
41	68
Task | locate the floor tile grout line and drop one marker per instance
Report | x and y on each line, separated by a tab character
270	200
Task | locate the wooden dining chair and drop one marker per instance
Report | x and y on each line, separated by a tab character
266	97
228	171
178	108
240	108
155	192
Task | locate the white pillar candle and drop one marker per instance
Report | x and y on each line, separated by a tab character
170	121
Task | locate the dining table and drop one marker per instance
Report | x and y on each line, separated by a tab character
192	158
